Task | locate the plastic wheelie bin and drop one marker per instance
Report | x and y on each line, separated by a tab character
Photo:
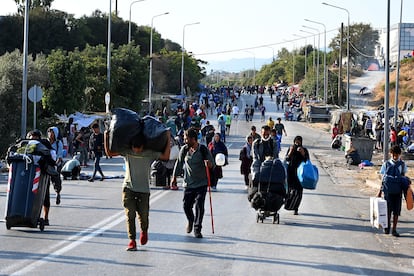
25	193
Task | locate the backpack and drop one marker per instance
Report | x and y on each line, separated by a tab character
392	180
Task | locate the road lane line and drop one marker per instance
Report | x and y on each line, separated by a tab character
83	237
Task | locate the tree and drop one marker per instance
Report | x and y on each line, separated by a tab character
11	92
11	35
129	78
65	93
94	59
48	31
167	72
43	4
363	39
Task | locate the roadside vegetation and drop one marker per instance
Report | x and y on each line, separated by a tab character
406	86
68	60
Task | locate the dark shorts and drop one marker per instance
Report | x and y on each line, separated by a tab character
393	203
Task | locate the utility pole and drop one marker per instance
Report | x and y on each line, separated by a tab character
340	66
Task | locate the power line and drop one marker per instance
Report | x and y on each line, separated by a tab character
257	47
359	52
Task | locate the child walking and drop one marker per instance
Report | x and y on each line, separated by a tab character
393	170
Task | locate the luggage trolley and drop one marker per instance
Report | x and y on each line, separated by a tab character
261	215
26	191
269	194
272	202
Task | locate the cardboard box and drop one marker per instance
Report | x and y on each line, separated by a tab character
378	212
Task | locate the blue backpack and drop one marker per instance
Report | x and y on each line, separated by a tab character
392	180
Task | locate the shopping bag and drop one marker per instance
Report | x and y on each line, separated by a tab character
378	212
308	175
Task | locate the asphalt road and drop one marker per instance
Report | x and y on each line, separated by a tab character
331	235
369	79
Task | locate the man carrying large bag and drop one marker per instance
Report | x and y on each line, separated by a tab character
132	138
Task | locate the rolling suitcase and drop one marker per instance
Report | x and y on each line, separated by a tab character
25	193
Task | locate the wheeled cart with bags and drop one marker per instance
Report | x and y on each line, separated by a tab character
26	191
267	190
267	203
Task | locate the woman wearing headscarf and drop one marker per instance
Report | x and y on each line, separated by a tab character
217	146
246	159
295	155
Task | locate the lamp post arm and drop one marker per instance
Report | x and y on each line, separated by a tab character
347	52
182	57
150	67
129	23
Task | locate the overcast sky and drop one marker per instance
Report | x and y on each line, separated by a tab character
238	28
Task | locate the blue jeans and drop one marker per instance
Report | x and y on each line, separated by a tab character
97	166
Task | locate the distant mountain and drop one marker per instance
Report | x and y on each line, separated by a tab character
236	65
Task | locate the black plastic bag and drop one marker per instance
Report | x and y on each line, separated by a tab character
258	201
155	134
125	125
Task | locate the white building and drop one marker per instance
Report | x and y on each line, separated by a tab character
406	38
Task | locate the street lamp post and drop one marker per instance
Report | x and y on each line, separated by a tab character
108	58
325	71
254	66
397	82
182	57
306	52
273	52
25	69
129	24
317	63
314	47
150	57
293	67
347	53
293	60
387	87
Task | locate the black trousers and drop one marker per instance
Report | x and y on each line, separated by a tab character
195	197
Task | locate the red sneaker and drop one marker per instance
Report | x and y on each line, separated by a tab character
174	188
132	246
143	238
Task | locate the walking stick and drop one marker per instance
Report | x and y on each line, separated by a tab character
209	193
